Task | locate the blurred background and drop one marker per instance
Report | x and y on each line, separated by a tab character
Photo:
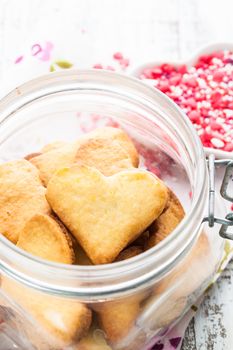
86	32
91	30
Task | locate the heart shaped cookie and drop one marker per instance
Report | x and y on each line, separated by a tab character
104	213
167	221
116	134
47	238
59	321
49	162
108	156
92	149
21	197
118	317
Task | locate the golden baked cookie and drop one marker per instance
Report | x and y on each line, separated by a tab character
105	214
116	134
117	318
58	157
21	197
167	221
46	237
105	155
129	253
60	321
49	162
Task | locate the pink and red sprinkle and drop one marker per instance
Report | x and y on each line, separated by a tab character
122	62
100	66
204	92
118	56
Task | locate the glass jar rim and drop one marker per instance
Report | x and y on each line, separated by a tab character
55	82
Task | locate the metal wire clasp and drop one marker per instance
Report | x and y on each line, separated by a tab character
228	176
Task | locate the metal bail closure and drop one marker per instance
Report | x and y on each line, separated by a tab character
228	177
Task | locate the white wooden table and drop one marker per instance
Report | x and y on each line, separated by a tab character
91	31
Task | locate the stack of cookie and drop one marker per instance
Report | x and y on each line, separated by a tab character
85	202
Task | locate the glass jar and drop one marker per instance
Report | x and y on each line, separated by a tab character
124	305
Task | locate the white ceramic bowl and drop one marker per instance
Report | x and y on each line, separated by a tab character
190	61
